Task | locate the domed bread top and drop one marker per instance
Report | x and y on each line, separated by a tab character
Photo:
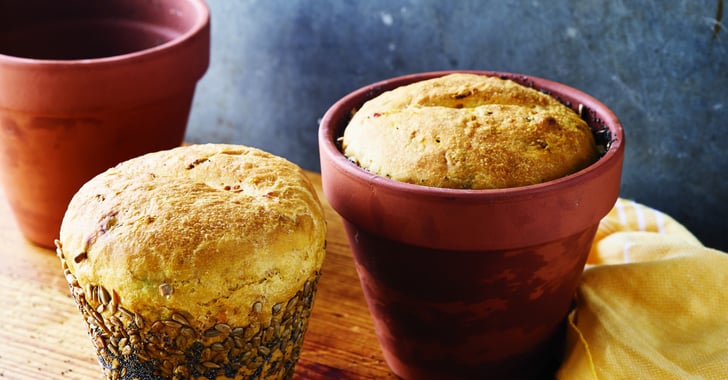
221	233
468	131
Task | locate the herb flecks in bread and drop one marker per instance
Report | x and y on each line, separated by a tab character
468	131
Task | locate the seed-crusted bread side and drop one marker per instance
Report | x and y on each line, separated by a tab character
468	131
222	232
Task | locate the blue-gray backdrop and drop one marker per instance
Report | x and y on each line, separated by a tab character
661	65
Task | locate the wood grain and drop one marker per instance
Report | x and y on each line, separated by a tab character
42	335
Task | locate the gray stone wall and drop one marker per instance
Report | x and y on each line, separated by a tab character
661	65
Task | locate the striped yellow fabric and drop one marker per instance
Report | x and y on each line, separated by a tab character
652	303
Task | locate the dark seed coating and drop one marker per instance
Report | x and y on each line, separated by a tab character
130	348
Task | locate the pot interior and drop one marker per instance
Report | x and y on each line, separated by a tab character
90	29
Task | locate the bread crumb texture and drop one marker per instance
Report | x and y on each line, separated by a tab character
468	131
220	233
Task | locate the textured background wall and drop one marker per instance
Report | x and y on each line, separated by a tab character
661	65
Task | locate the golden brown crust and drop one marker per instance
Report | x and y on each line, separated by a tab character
218	233
468	131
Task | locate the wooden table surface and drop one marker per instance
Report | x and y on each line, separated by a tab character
43	336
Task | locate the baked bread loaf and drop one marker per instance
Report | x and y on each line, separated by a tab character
200	261
468	131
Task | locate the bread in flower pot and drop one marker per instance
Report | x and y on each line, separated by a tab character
470	202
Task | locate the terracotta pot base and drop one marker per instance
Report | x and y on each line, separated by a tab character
462	314
49	158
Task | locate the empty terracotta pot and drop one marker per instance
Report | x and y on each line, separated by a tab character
471	283
87	84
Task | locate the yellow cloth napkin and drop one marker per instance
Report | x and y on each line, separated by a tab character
652	303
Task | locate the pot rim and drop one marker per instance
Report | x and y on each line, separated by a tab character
328	132
202	21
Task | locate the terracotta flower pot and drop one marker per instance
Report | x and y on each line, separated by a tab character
470	283
87	84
